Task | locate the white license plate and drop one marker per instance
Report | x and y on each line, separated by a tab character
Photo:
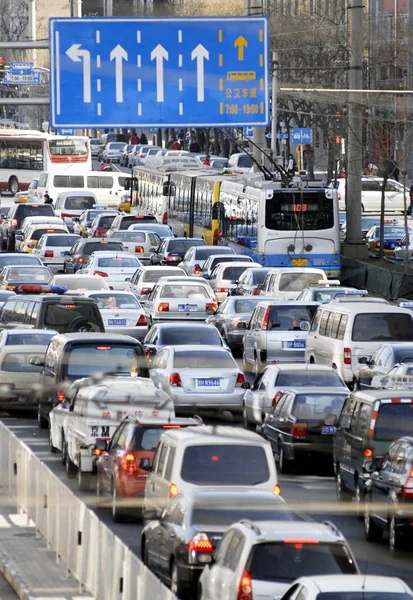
209	382
117	322
187	307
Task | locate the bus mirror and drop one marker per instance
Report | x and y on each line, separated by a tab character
127	183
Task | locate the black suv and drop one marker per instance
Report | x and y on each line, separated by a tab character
64	314
14	219
83	248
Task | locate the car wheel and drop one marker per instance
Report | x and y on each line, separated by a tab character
372	532
395	536
42	422
13	185
83	479
176	585
70	466
117	515
83	325
284	465
64	449
52	448
359	499
342	494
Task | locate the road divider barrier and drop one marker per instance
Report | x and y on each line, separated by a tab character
92	553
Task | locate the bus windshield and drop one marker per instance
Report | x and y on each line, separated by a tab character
288	210
68	146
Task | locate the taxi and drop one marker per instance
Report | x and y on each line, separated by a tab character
34	233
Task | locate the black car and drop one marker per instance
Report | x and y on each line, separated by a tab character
172	251
80	252
178	334
302	423
178	545
15	217
389	496
250	282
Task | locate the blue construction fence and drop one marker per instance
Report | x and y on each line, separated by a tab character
376	280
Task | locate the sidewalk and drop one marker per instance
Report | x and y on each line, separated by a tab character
29	566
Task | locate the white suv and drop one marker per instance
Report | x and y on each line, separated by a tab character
346	586
260	560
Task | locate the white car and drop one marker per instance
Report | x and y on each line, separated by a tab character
113	152
19	378
77	284
196	257
145	278
371	195
32	195
356	587
147	152
131	155
405	245
240	162
199	378
52	248
121	313
116	267
224	276
142	243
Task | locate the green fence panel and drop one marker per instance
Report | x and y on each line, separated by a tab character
379	281
353	273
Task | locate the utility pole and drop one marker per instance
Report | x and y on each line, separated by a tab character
108	8
274	100
76	8
255	8
354	247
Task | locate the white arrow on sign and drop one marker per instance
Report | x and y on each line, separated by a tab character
76	54
200	53
118	54
159	54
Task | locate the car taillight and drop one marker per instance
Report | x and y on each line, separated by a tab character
142	321
276	490
173	490
165	219
64	216
175	380
200	543
99	232
14	222
163	307
276	398
60	396
211	306
222	290
49	254
172	257
145	291
81	259
139	249
407	489
347	356
245	586
266	318
240	379
101	273
256	291
299	428
197	269
368	453
128	463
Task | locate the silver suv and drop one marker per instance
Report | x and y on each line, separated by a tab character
267	556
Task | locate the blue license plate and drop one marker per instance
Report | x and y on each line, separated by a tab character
187	307
328	430
65	253
297	345
116	322
209	382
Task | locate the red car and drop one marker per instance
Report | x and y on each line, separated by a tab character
124	463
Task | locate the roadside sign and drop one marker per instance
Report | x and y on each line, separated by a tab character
248	131
164	72
65	131
302	136
280	136
24	79
21	68
153	129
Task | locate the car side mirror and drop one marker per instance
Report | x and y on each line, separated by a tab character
246	385
19	232
150	514
206	276
36	361
370	466
242	324
152	249
363	360
75	219
144	463
18	236
305	326
100	446
150	351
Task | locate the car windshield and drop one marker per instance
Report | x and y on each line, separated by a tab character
203	359
29	339
309	378
17	259
386	327
88	216
394	420
37	233
114	301
18	362
245	161
279	561
285	318
196	292
147	439
35	210
253	511
210	264
105	222
232	273
225	464
96	246
128	236
91	359
79	203
316	407
32	274
183	245
393	232
153	275
176	336
61	240
259	276
297	282
118	262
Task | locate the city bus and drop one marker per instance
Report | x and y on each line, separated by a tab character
24	154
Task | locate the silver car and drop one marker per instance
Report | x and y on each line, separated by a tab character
196	257
180	299
274	333
199	378
262	396
144	279
213	260
121	313
142	243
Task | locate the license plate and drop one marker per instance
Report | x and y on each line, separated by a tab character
65	253
299	262
210	382
187	307
328	430
116	321
300	344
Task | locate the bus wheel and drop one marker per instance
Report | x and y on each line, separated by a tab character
13	185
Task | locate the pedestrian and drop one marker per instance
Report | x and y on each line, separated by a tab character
134	140
194	147
391	168
206	160
143	139
291	165
226	147
175	145
47	199
369	170
202	140
342	173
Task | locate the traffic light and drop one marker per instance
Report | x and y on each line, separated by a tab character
338	139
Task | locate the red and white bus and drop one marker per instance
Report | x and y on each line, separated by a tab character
25	154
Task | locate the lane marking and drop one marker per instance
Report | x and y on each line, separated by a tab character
221	108
221	85
139	60
219	35
261	60
260	35
180	60
180	36
99	109
139	108
97	36
98	85
180	84
139	85
181	108
98	61
220	60
138	37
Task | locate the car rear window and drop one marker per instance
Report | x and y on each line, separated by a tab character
183	245
285	318
382	327
228	258
79	203
62	241
128	236
88	249
80	282
232	273
259	276
297	282
19	363
61	315
194	292
225	464
394	420
37	233
194	335
153	276
23	259
126	222
203	359
316	407
204	253
279	561
224	517
115	300
106	221
162	230
91	359
32	274
305	378
29	339
40	210
118	262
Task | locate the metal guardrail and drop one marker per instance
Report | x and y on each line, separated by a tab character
98	558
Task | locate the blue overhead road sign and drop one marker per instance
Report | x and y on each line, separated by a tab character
302	136
200	72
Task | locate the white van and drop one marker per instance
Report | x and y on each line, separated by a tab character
371	195
107	186
72	203
287	283
343	332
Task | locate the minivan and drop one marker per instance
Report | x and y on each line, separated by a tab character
287	283
342	333
71	204
369	422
